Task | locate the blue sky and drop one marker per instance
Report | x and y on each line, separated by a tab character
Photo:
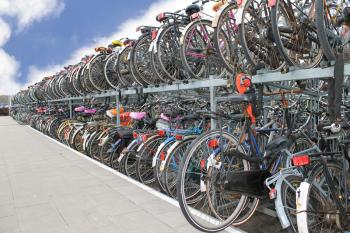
38	37
52	40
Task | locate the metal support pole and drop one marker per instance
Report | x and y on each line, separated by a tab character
212	104
118	109
70	109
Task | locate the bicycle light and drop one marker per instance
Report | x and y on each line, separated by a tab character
213	143
202	164
144	137
301	160
161	133
154	34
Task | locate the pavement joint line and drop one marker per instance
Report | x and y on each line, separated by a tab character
138	184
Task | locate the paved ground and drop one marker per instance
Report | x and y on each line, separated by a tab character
46	188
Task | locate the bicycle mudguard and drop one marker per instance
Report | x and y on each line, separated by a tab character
301	203
76	132
155	41
172	147
281	214
127	149
115	146
251	183
145	142
160	148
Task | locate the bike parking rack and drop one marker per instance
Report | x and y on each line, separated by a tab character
263	77
273	79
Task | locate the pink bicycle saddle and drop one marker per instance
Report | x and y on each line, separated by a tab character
90	111
138	115
79	109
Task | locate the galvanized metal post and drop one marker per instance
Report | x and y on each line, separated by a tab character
70	109
118	109
212	103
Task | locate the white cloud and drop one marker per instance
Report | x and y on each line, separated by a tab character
25	12
8	72
126	29
29	11
5	32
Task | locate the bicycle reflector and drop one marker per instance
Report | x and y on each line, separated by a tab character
154	34
202	164
134	135
301	160
161	133
162	155
144	137
179	137
213	143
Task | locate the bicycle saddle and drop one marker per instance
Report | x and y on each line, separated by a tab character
90	111
100	49
117	43
138	115
191	9
79	109
161	17
277	145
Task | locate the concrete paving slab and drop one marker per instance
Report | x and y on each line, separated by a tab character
47	188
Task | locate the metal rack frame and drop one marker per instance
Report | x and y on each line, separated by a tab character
263	77
297	74
210	83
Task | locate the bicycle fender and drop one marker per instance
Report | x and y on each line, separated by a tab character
281	214
301	203
151	47
129	56
155	42
127	149
143	144
172	147
76	132
160	148
86	140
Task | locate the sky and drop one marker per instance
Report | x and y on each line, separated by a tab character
39	37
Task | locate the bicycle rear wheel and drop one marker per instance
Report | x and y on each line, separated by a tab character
256	37
332	33
322	213
295	34
205	205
